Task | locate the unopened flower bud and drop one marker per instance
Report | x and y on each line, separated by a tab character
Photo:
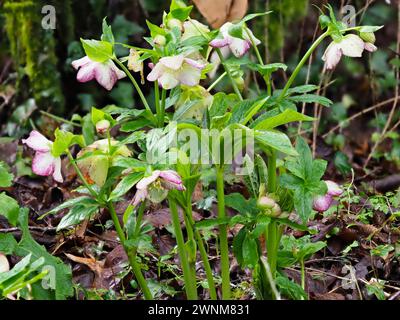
102	126
368	37
276	211
265	203
175	23
160	40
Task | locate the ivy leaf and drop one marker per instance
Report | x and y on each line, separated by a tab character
99	51
6	177
9	208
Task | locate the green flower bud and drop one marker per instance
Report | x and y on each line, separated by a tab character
265	203
160	40
175	23
368	37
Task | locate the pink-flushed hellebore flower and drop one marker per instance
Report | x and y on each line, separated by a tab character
174	70
162	180
323	203
238	46
43	163
350	46
106	73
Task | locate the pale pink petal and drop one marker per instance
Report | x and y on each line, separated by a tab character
145	182
322	203
57	176
140	196
333	188
352	46
156	72
43	164
168	80
189	76
195	64
370	47
332	56
76	64
120	74
105	76
87	72
220	43
173	62
38	142
239	47
251	37
171	176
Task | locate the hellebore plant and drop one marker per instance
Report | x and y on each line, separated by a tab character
178	54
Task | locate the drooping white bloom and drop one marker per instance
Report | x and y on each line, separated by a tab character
174	70
168	179
43	163
193	28
106	73
350	45
238	46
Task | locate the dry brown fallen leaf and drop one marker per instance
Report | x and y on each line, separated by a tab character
4	265
217	12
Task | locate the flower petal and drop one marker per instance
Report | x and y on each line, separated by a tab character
195	64
173	62
38	142
248	35
220	43
43	164
76	64
322	203
370	47
333	188
171	176
189	76
352	46
332	56
140	196
87	72
57	176
145	182
105	75
239	47
156	72
168	80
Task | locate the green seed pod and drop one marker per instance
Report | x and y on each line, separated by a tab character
368	37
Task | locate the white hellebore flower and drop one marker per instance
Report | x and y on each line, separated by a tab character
43	163
350	46
174	70
238	46
106	73
193	28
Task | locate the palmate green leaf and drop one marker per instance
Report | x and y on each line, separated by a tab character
7	243
62	287
99	51
303	200
221	103
238	245
286	116
155	30
250	251
9	208
107	32
69	203
267	69
290	288
311	98
125	185
6	177
237	202
134	125
303	89
275	140
78	213
63	140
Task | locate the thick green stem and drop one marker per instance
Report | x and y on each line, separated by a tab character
131	255
272	184
162	109
137	87
228	72
203	253
190	286
157	98
301	64
223	236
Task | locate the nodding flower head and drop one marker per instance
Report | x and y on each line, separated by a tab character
43	163
106	73
174	70
323	203
350	45
156	186
238	46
